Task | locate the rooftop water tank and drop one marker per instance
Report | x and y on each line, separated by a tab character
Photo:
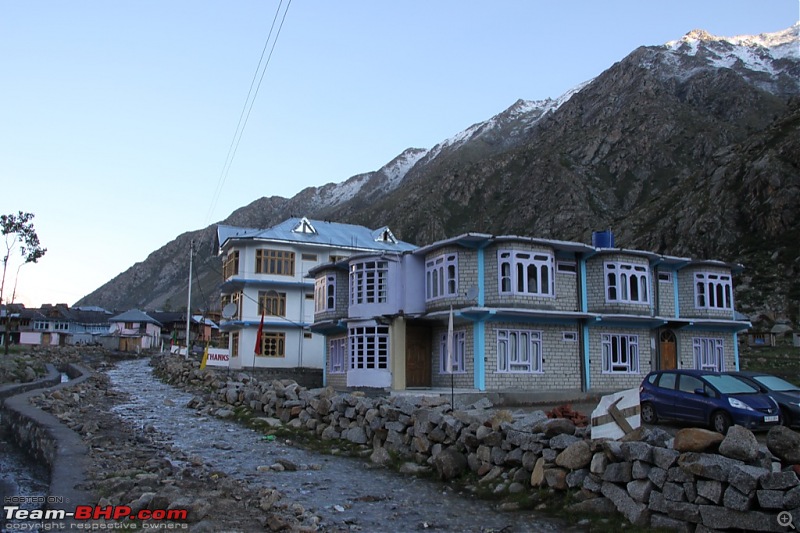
603	239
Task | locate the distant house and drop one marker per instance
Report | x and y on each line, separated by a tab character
132	331
173	327
529	315
265	282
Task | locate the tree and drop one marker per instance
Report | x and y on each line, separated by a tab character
19	234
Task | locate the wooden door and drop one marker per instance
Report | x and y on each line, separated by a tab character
668	348
418	356
46	339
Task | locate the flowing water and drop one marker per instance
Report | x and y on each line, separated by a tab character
345	492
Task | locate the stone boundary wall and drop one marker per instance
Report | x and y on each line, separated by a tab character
53	377
697	481
45	437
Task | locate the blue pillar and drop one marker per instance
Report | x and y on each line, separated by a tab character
587	375
675	292
736	350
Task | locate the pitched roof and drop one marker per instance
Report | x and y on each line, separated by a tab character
134	315
304	231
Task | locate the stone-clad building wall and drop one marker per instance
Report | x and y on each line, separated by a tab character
561	360
464	379
666	296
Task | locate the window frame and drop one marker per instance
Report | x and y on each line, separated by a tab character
709	353
267	303
510	359
711	287
441	276
368	347
274	262
459	352
369	282
230	266
272	341
620	289
624	344
337	355
514	272
325	293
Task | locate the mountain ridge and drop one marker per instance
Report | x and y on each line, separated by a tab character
649	148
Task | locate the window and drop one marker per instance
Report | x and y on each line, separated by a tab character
567	267
459	348
709	354
309	257
620	353
713	291
569	336
627	283
325	293
236	298
130	325
337	354
40	324
369	347
519	351
336	258
665	277
689	384
441	276
234	338
280	262
231	265
526	273
272	303
272	345
368	282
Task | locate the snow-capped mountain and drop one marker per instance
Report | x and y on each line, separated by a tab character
689	148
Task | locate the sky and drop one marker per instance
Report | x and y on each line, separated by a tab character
117	119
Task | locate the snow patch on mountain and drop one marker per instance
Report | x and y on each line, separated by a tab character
758	53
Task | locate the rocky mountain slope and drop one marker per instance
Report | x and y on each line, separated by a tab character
690	148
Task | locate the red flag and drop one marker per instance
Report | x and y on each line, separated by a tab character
258	335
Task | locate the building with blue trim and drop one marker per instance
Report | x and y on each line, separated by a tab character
265	286
529	315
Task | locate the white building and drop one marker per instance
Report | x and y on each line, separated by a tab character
265	282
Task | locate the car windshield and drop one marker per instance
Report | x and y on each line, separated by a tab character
729	384
776	384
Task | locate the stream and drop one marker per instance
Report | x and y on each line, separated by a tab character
343	491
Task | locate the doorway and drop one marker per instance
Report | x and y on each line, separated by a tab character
418	356
668	349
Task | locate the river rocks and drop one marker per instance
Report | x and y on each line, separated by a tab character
576	456
739	443
784	444
696	440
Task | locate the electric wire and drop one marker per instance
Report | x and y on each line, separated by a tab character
244	116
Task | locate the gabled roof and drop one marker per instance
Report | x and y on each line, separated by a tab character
300	230
134	315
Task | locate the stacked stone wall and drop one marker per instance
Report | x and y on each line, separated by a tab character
697	481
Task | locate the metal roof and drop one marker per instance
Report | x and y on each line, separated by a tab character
301	230
134	315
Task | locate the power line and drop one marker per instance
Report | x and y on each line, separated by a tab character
244	116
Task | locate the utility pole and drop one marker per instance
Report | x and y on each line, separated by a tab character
189	299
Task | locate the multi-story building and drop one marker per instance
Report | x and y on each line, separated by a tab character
267	297
528	314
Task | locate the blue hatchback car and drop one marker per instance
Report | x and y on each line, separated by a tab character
708	398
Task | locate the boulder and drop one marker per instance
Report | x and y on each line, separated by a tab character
784	444
739	443
450	464
575	456
696	440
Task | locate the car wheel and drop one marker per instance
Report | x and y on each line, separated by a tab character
648	413
720	422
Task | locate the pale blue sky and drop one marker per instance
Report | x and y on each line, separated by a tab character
116	116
